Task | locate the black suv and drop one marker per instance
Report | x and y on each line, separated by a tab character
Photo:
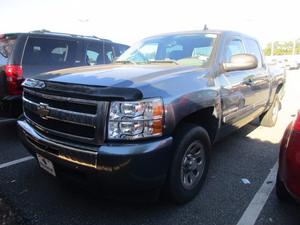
23	55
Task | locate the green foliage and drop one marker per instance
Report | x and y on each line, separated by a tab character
282	48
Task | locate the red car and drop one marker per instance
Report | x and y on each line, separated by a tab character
288	177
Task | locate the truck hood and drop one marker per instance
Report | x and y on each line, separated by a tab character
161	78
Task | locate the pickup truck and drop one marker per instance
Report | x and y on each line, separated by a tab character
149	120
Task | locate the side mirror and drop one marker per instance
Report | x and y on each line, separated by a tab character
241	62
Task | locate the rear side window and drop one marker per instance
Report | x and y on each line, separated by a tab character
234	47
108	53
6	48
99	52
253	48
50	52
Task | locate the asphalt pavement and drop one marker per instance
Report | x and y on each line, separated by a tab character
239	167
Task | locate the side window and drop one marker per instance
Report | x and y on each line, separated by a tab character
6	48
49	52
91	57
94	53
3	60
234	47
99	52
108	53
253	48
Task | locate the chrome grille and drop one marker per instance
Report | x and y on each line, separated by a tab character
68	118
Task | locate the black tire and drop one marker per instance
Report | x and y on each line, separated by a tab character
187	138
281	191
269	118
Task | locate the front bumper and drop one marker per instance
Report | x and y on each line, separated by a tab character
134	166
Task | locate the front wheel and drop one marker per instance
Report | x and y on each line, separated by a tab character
190	164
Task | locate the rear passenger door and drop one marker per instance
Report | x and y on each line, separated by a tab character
43	54
237	105
260	80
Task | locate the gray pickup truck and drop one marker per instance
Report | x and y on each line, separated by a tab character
149	120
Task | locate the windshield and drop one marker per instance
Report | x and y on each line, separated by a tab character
186	49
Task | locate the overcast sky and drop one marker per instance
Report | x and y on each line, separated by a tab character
128	21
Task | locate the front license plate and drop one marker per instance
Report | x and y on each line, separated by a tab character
46	164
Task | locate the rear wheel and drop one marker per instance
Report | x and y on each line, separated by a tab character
269	118
190	164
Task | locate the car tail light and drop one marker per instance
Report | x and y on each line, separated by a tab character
14	78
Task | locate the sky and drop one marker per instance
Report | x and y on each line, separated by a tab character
128	21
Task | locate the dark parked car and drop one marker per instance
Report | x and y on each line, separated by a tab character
23	55
149	120
288	177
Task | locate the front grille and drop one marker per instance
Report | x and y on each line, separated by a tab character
61	126
71	106
73	119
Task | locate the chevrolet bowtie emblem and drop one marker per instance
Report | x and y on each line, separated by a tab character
42	110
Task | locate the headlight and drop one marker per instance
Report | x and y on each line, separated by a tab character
135	120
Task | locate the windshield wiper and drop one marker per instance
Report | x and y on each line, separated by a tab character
125	62
164	61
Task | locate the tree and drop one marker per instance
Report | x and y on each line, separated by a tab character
282	48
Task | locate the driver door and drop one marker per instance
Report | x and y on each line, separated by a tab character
237	105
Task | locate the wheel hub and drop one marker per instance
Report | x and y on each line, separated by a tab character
193	165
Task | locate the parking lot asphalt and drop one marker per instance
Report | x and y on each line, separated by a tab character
249	153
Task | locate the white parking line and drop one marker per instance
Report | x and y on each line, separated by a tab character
256	205
11	163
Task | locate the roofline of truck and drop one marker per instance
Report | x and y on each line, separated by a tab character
57	34
217	32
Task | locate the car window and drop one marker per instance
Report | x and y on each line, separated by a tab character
6	48
49	51
91	57
185	49
108	53
149	51
202	51
234	47
120	49
253	48
97	52
173	48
